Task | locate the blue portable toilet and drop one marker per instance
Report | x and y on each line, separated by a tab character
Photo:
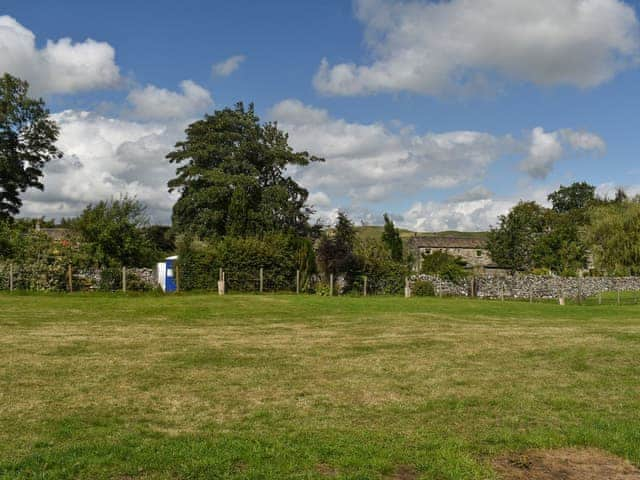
167	274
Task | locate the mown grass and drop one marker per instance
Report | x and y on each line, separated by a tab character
99	386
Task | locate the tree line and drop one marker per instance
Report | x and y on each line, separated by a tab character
238	201
238	206
580	232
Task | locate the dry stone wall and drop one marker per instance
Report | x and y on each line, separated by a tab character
55	278
531	286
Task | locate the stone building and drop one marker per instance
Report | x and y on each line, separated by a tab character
472	249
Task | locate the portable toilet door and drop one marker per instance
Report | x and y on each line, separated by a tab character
170	275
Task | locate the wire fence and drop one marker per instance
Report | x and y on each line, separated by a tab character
67	278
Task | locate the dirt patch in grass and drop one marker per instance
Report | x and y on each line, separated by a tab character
327	470
403	472
565	464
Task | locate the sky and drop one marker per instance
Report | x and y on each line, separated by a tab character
443	114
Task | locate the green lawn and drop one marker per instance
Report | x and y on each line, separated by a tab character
95	386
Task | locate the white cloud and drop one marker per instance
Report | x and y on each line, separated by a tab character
369	162
467	215
104	158
547	148
61	66
459	46
156	103
228	66
473	194
319	200
584	140
372	163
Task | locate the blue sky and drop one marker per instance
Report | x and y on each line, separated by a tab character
443	114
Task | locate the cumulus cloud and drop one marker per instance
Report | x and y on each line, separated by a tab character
104	158
319	200
228	66
473	194
60	66
471	214
369	162
547	148
466	216
372	163
156	103
459	46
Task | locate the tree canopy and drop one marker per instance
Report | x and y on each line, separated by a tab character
444	265
27	142
512	243
578	195
614	236
336	252
232	179
113	233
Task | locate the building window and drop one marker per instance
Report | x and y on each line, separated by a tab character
478	253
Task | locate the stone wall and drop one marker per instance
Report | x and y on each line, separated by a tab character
55	278
531	286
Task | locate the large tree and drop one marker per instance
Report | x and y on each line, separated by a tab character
232	177
27	142
613	236
512	244
114	233
576	196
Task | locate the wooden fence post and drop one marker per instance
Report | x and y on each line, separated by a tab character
261	279
124	279
297	282
177	270
69	279
331	284
364	292
221	286
579	290
11	277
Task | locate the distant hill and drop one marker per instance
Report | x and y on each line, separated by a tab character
376	232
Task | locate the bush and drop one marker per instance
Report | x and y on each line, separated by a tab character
241	259
445	266
384	275
423	288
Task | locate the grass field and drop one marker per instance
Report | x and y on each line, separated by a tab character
199	386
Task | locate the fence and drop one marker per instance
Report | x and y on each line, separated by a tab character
265	280
59	278
532	288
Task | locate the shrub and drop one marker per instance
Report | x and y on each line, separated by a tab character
445	266
423	288
241	259
384	275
